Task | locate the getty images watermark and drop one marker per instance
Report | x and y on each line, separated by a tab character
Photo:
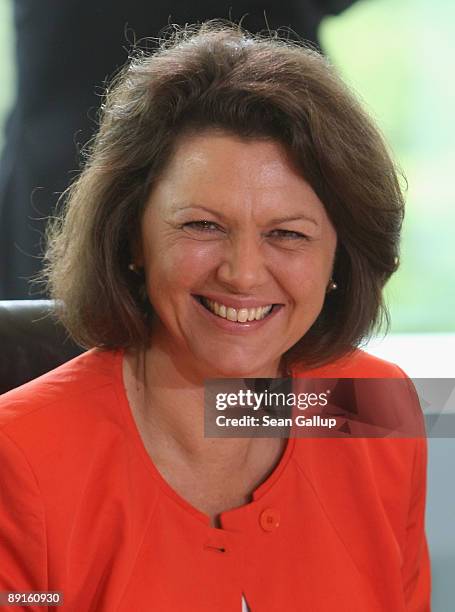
339	407
259	402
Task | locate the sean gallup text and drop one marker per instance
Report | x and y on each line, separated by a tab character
266	420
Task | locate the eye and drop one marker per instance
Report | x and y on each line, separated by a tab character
283	234
202	226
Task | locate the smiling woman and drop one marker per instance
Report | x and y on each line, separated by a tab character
238	216
284	102
213	268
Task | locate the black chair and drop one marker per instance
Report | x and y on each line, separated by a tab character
32	342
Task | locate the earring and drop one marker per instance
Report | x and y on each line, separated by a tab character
139	281
332	285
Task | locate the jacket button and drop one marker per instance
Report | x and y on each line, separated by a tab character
269	519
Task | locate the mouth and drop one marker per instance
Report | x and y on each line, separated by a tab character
241	315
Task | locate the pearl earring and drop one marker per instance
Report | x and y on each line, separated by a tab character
133	268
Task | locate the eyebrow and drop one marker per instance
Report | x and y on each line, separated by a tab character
274	221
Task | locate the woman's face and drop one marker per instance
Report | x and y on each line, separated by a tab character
232	233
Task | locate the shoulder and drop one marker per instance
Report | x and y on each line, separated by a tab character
61	396
390	471
63	427
356	364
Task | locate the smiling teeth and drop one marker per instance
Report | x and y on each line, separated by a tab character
232	314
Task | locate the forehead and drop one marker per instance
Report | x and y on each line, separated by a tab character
225	168
217	154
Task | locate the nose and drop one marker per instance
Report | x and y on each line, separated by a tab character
244	266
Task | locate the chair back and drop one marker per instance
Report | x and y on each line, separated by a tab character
32	342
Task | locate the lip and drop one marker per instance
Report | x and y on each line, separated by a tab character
237	303
233	326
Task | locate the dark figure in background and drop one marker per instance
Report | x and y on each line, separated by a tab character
65	51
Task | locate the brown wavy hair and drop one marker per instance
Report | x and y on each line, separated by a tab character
219	76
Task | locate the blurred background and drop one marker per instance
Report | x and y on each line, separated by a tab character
398	56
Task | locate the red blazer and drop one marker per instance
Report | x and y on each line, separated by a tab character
338	525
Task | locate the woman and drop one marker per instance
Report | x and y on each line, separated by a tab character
238	216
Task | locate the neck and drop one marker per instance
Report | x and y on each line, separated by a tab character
167	399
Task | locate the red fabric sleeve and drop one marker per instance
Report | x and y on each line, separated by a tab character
23	564
416	566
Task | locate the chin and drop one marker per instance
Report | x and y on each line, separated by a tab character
236	368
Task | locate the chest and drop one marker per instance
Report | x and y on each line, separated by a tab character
213	490
174	561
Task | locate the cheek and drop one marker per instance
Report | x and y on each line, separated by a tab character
181	264
305	277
